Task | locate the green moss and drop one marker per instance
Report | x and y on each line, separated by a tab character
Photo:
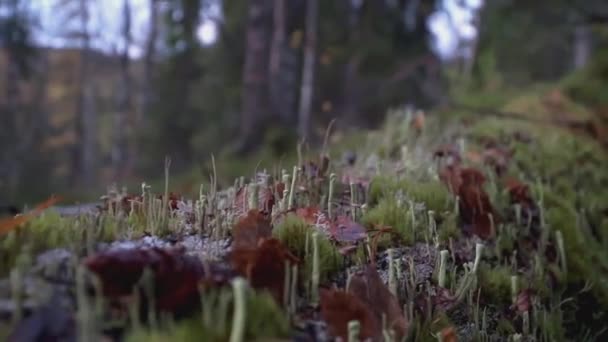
294	232
495	283
449	229
264	320
389	213
432	193
50	230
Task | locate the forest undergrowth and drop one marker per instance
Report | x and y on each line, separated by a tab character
434	228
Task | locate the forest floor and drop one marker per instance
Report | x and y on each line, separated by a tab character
450	226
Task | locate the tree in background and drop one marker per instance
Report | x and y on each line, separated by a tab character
123	150
176	118
23	123
84	153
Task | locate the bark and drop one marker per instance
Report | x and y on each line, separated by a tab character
582	46
149	57
276	59
84	151
255	94
308	70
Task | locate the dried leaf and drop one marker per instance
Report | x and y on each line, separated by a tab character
8	224
418	122
250	229
523	302
340	307
475	210
449	335
474	205
368	286
519	193
264	265
176	275
312	215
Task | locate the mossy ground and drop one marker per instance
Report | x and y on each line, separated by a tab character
564	270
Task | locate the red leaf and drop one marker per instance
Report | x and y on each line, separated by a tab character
264	266
176	275
368	286
519	193
449	335
250	229
474	205
340	307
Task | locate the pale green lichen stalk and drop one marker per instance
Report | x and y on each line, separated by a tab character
316	273
238	323
442	267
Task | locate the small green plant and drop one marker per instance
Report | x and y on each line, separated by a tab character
296	235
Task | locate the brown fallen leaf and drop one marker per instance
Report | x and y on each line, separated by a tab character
474	204
177	276
251	229
8	224
339	307
368	286
264	265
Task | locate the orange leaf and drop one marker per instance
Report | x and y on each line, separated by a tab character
8	224
449	335
418	121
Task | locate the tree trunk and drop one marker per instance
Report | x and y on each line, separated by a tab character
122	150
150	55
84	151
276	60
255	94
582	46
308	70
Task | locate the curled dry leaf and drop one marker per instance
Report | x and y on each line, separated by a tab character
176	275
476	211
8	224
264	265
339	307
519	193
368	286
251	229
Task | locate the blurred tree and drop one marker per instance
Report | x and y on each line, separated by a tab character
530	41
23	123
84	153
255	103
176	119
123	149
308	69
